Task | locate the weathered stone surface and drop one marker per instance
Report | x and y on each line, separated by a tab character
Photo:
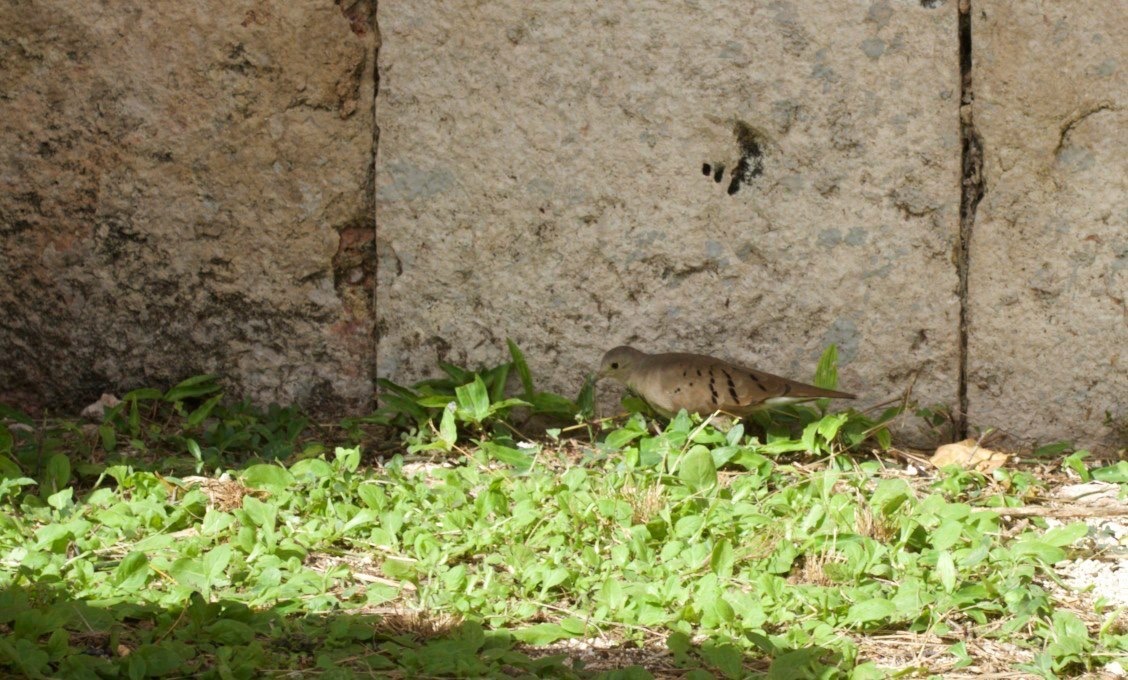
540	175
1049	254
186	188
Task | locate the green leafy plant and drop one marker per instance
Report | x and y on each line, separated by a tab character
702	538
192	416
469	402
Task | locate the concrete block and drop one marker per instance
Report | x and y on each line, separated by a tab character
752	180
1049	252
185	188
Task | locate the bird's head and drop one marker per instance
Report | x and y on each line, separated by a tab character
619	362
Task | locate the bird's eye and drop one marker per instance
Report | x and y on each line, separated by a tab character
614	364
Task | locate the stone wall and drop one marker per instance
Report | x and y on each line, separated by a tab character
186	188
1048	303
191	187
739	178
563	174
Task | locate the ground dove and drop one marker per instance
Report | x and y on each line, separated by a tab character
702	384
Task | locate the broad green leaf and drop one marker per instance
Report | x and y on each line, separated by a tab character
688	526
722	559
798	663
457	373
259	513
520	460
782	446
876	609
10	482
154	661
612	594
574	625
1052	450
678	643
1070	637
196	386
506	404
273	478
132	572
216	521
230	632
408	406
448	433
495	379
365	517
311	469
946	571
634	404
347	459
826	373
399	570
947	534
553	404
715	609
389	386
134	418
195	452
201	413
190	573
542	634
372	495
697	469
54	537
61	499
143	394
552	578
724	657
1040	549
829	426
1113	474
56	474
959	650
215	561
809	439
1065	535
1076	462
473	400
653	451
680	424
585	400
617	439
752	461
25	655
723	454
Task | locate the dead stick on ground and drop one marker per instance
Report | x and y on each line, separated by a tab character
1041	511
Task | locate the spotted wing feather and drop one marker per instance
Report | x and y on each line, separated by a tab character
703	384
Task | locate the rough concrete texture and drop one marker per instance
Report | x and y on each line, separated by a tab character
1049	252
186	188
563	174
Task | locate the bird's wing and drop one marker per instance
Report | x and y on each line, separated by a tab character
704	384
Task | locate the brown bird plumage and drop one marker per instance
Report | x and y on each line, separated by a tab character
703	384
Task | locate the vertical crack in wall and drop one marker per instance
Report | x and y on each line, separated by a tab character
372	371
972	189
